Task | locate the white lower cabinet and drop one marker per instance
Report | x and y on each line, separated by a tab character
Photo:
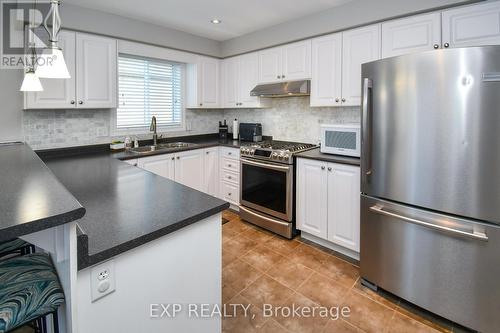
198	169
229	166
211	171
189	168
162	165
328	202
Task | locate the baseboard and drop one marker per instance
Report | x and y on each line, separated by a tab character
334	247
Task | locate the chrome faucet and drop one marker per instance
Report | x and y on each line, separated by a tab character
152	128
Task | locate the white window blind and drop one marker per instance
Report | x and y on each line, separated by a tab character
148	87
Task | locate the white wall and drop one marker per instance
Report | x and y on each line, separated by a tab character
351	14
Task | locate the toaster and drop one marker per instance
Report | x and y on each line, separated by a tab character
251	132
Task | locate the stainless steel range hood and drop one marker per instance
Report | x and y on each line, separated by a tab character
283	89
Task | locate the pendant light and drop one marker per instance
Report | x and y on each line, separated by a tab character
51	62
31	82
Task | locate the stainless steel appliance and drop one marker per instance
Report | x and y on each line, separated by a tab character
267	192
430	203
283	89
341	140
251	132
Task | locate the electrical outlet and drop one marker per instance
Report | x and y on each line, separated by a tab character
102	280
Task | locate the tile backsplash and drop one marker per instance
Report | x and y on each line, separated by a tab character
289	119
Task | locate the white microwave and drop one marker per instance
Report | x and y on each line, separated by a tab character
341	140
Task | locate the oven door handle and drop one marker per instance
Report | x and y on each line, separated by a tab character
265	165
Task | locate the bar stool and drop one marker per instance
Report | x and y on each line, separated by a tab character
29	290
16	247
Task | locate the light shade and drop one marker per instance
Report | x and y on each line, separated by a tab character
31	82
51	65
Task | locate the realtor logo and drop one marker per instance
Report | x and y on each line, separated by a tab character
21	32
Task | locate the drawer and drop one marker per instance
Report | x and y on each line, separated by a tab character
230	165
230	152
230	192
230	176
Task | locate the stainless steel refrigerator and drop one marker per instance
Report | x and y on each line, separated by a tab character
430	203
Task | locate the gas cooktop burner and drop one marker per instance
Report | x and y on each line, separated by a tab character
275	151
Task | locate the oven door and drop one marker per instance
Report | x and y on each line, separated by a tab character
267	187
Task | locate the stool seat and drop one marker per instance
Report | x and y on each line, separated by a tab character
29	289
12	245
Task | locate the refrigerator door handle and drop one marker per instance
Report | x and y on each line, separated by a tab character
478	235
367	131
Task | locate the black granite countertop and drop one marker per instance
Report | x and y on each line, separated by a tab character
126	206
315	154
32	198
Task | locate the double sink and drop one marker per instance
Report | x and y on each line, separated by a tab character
162	147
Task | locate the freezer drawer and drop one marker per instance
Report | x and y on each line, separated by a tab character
444	264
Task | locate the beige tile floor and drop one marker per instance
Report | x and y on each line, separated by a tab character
262	268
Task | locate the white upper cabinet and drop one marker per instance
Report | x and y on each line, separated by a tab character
96	72
358	46
91	62
326	83
344	205
203	81
57	93
230	82
270	65
412	34
296	61
248	78
240	75
285	63
474	25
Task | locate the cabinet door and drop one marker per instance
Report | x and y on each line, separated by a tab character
359	46
474	25
162	165
248	78
326	83
211	171
57	93
410	35
96	77
209	82
189	169
297	61
344	205
270	65
312	194
230	82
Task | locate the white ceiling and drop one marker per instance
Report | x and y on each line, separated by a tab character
238	17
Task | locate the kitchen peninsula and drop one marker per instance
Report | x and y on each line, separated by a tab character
151	237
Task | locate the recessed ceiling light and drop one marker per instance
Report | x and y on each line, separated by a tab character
216	21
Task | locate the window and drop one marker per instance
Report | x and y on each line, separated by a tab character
148	87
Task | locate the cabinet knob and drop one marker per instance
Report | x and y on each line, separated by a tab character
343	100
72	102
207	152
229	177
80	102
229	165
178	157
436	46
278	77
329	169
229	194
282	76
447	45
230	153
201	104
322	168
173	158
337	100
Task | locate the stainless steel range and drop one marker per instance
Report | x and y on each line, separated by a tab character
267	185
